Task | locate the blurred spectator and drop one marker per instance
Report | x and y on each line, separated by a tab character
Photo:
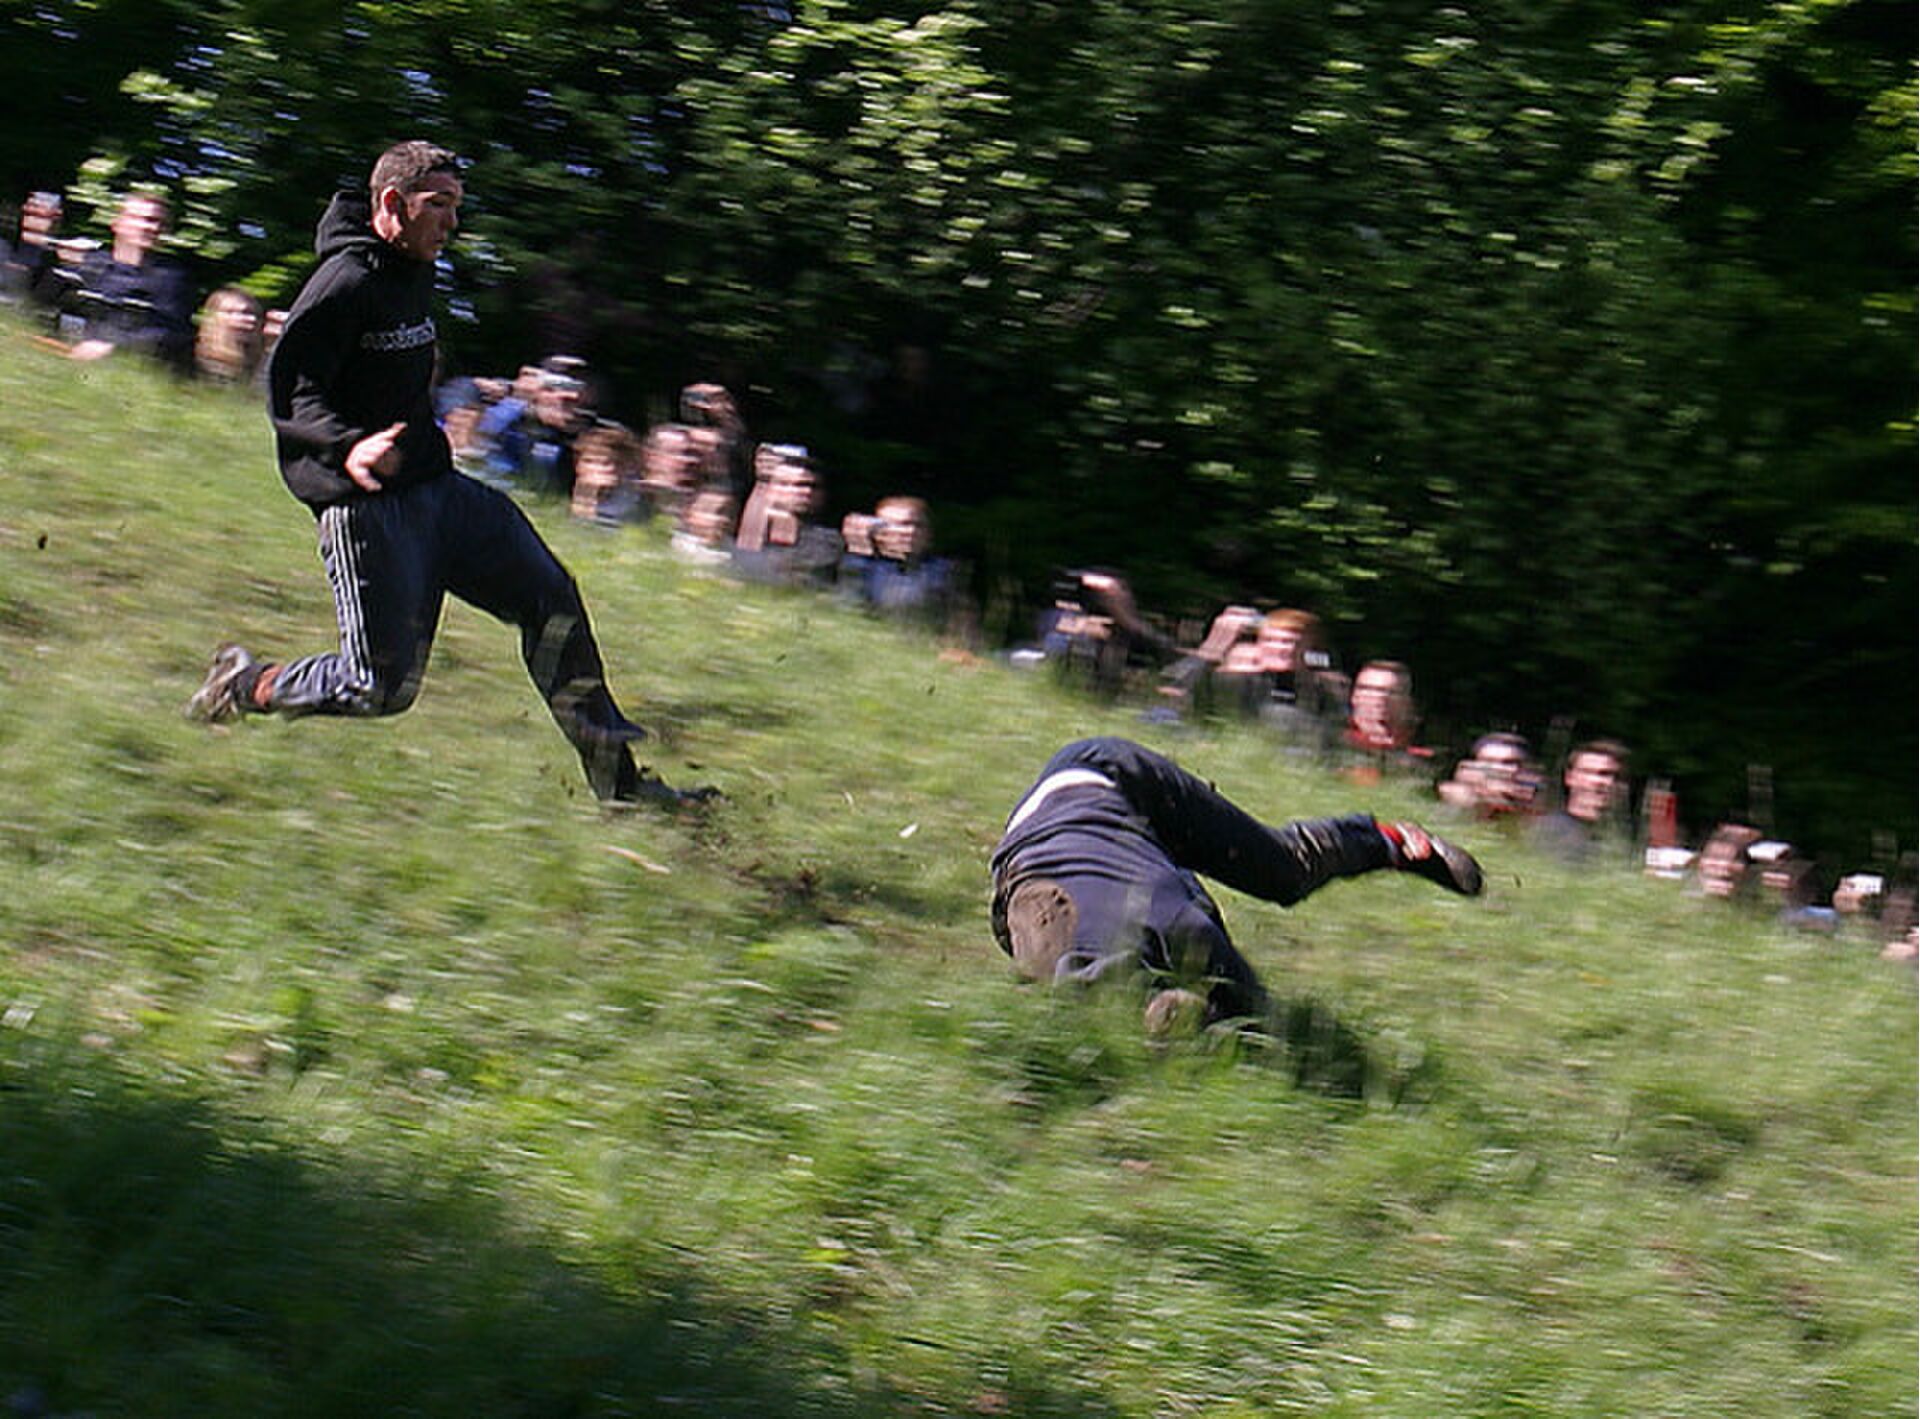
1093	632
1497	780
1788	884
1188	681
272	323
461	424
669	473
1284	676
129	297
227	347
888	563
533	426
1595	781
507	404
1381	719
1900	925
1858	897
1380	711
704	536
770	462
787	545
1723	867
726	452
30	266
606	477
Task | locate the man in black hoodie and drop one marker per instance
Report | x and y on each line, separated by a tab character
351	402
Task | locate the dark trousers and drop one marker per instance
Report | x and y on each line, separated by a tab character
1131	856
392	558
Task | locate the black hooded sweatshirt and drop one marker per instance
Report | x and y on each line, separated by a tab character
357	355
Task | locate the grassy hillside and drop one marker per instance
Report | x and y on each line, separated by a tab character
369	1068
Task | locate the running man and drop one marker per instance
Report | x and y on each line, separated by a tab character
1096	873
351	404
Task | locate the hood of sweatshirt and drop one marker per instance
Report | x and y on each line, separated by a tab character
347	225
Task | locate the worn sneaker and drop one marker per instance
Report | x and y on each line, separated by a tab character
225	693
1417	851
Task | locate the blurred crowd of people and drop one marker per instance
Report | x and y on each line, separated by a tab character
123	294
756	511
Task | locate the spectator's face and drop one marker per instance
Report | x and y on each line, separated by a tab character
237	315
462	427
1722	865
39	218
1853	896
1374	692
1594	785
1280	649
595	469
426	218
795	490
669	460
902	533
704	452
710	518
558	403
1501	778
138	226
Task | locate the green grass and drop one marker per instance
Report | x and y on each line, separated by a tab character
368	1068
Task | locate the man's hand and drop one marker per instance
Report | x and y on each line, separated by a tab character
89	350
375	458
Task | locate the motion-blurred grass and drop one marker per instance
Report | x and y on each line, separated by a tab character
369	1068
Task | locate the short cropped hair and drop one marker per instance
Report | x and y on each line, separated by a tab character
1606	748
903	502
406	166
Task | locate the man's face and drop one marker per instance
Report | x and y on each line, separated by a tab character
137	226
423	221
1593	786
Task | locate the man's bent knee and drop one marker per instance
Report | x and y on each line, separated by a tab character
383	693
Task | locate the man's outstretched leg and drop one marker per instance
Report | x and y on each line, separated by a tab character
497	561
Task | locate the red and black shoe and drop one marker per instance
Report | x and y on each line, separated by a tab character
1416	850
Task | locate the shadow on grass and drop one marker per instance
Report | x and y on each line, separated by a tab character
669	719
163	1260
1308	1038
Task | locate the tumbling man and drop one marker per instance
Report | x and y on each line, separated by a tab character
1096	873
399	528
